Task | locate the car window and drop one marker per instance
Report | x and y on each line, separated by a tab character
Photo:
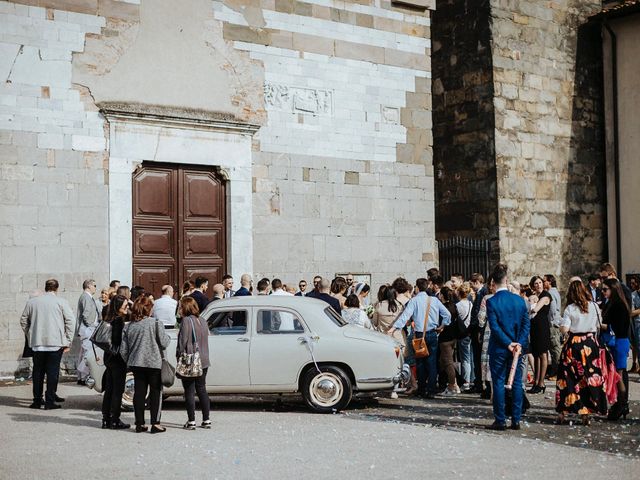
278	321
335	318
228	322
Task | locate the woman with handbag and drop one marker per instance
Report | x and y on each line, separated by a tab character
192	353
540	343
447	341
580	385
116	374
616	319
143	343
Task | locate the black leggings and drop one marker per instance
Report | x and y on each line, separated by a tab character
192	386
147	379
114	380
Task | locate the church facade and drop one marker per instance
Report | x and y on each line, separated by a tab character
148	143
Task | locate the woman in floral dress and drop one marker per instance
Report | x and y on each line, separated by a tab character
580	384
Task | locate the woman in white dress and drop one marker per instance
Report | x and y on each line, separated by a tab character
352	313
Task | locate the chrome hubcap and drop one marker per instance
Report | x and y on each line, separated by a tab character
127	396
326	389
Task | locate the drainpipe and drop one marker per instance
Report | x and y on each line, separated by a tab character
616	142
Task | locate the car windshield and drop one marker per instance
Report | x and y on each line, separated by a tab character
335	318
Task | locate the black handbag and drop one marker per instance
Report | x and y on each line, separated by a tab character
27	352
167	372
101	336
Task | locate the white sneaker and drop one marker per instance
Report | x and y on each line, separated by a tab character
394	395
448	392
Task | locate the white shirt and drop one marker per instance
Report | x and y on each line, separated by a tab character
463	308
286	318
164	309
579	322
355	316
281	292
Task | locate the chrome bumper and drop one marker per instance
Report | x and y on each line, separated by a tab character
403	377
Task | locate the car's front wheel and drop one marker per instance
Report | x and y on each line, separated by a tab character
127	396
328	390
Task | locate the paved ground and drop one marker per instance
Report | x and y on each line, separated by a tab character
258	438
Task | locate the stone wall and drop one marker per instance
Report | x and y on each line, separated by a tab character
339	178
464	157
518	132
53	192
548	140
343	177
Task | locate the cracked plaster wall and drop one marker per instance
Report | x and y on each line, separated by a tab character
166	59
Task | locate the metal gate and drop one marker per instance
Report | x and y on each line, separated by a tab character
464	255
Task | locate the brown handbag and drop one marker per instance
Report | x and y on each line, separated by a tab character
419	345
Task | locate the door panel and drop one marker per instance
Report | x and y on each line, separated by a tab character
153	278
277	354
179	228
154	241
229	344
202	243
154	193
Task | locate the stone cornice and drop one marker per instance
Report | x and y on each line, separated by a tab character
175	117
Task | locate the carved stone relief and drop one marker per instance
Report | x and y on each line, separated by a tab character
298	100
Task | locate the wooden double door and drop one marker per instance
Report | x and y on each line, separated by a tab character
179	228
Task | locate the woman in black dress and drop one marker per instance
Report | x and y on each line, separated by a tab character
540	333
116	373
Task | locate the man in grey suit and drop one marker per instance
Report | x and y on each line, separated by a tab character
47	321
88	317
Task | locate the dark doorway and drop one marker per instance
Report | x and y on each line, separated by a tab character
179	228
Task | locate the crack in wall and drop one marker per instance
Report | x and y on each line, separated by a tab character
13	64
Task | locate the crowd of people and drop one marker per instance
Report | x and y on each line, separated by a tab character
458	337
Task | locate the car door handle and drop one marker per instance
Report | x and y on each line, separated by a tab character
242	339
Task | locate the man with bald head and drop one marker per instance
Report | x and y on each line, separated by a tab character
325	287
218	292
164	308
244	290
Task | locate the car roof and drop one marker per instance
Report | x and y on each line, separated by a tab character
269	301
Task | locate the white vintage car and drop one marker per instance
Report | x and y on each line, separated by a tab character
282	344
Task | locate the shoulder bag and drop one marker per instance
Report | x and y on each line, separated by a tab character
167	372
189	364
419	345
607	337
462	329
101	336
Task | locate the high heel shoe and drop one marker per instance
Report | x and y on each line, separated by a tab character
535	389
616	411
156	428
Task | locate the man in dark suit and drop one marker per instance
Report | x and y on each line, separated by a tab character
508	318
302	286
202	285
476	333
315	293
594	288
325	287
245	282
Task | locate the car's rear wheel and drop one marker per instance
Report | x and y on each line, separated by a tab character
328	390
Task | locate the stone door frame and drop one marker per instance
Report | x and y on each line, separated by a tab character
225	146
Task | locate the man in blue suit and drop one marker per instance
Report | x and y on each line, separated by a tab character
508	318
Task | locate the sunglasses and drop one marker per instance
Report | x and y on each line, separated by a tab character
302	285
